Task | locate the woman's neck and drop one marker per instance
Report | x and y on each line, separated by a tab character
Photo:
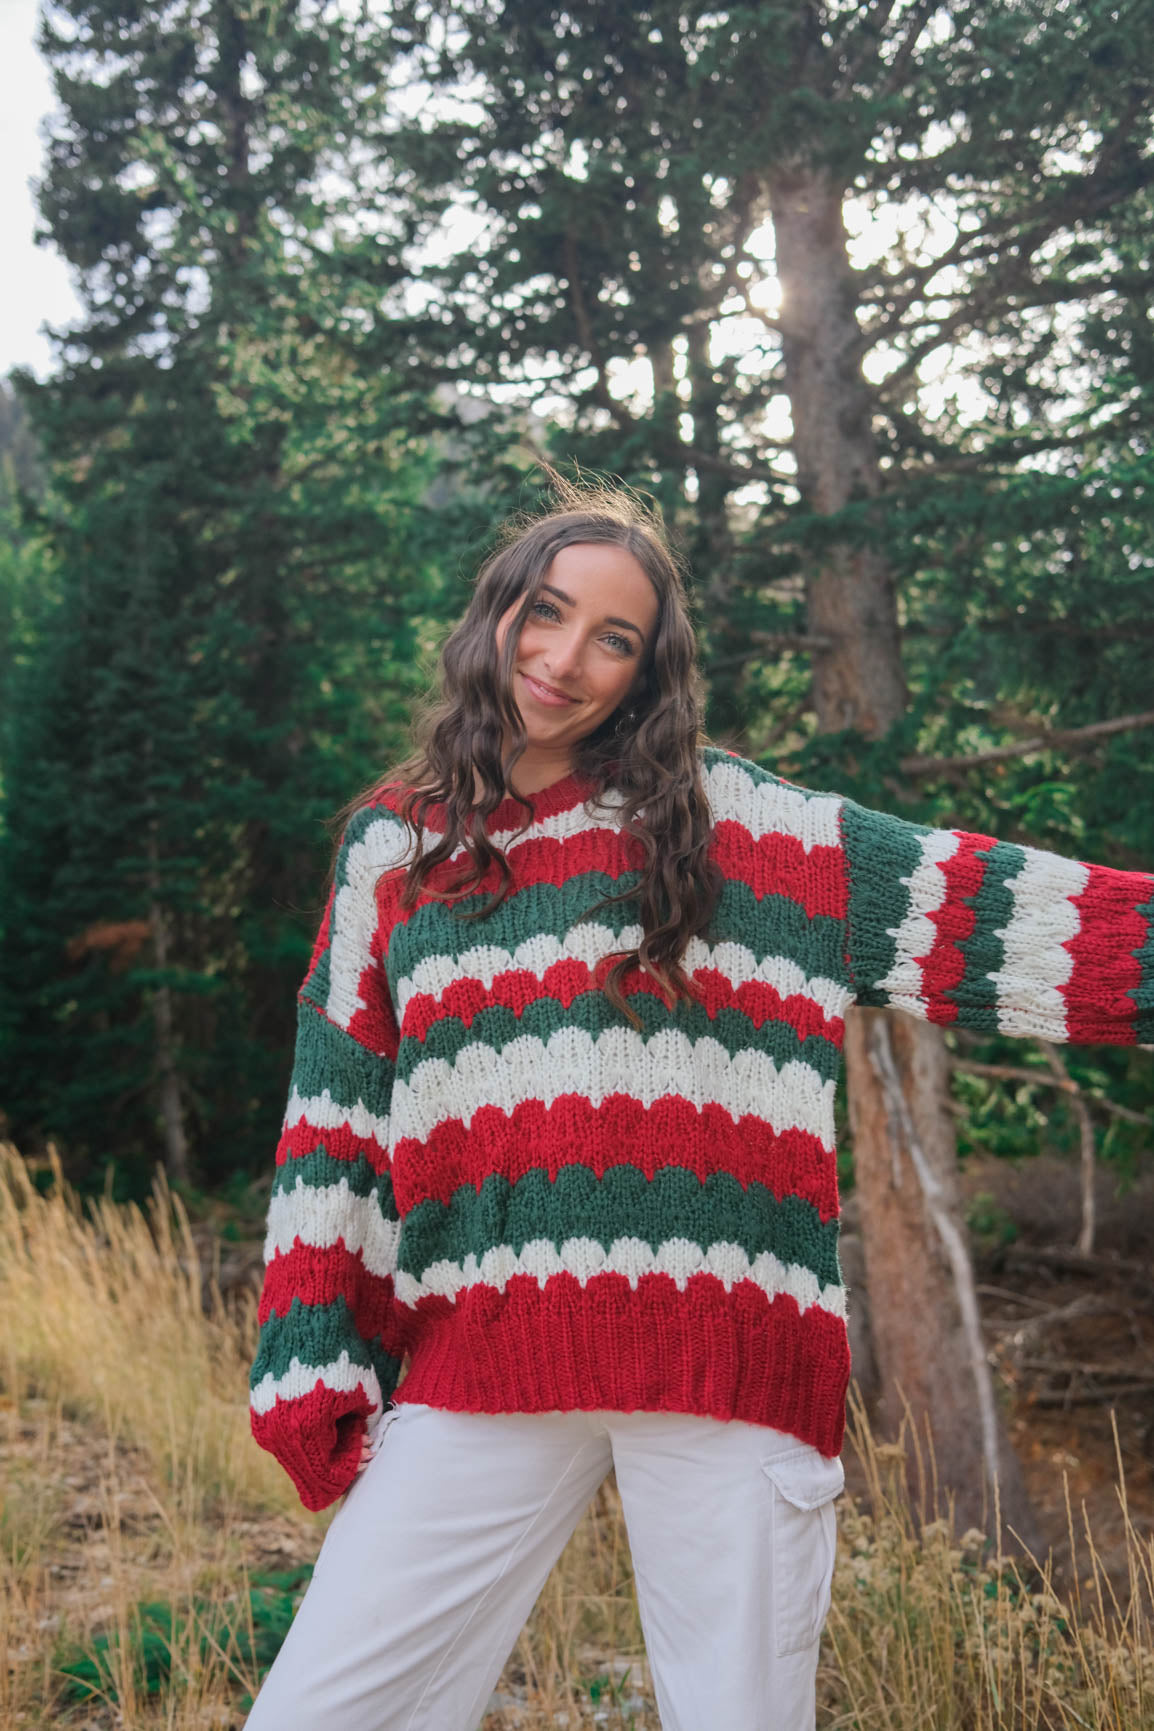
537	769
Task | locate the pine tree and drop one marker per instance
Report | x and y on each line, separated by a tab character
231	516
644	172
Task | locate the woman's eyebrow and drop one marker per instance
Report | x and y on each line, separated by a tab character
609	619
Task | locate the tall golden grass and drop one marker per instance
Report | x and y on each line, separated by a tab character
105	1309
111	1335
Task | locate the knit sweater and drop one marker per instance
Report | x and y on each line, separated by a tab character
485	1169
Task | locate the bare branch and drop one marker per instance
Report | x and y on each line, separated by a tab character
804	643
1085	1244
1069	739
1018	1073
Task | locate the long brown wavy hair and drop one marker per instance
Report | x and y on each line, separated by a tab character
647	749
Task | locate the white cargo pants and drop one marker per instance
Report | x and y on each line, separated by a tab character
436	1556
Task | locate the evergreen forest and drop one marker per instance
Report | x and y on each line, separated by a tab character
858	295
860	290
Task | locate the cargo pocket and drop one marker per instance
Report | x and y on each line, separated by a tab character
804	1484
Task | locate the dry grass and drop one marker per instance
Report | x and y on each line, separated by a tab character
105	1310
144	1536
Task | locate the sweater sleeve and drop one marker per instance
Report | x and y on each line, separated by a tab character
960	928
328	1352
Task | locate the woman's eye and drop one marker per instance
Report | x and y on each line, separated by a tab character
547	605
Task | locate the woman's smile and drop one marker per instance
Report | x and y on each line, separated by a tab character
547	694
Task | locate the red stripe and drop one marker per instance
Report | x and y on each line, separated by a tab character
620	1132
763	1003
1099	993
340	1143
776	864
608	1346
516	988
541	860
943	969
772	864
321	1275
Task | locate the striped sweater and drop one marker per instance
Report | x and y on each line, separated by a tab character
485	1169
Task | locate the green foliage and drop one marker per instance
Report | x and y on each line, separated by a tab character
234	518
247	1634
280	442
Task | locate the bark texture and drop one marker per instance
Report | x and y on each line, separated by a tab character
931	1361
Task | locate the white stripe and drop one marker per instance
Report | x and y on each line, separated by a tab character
1034	963
767	808
585	1259
321	1216
739	965
601	814
914	938
322	1112
385	842
589	942
342	1376
617	1061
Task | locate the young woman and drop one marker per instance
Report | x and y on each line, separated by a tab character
561	1135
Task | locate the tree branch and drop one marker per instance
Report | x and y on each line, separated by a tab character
872	21
805	643
1070	739
1085	1244
1018	1073
918	17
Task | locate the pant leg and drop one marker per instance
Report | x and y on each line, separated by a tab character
732	1532
430	1568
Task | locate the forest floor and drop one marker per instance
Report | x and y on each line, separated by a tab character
132	1598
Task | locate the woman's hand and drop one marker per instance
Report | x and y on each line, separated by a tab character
366	1454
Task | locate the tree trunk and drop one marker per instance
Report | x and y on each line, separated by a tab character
923	1310
168	1074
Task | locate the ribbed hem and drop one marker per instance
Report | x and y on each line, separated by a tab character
611	1347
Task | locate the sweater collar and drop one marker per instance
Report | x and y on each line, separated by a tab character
561	795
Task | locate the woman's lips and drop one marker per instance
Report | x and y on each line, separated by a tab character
545	694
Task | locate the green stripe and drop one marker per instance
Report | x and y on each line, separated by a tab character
319	1171
881	850
757	773
532	910
317	1334
622	1204
777	926
497	1026
770	926
387	1367
976	995
315	989
327	1057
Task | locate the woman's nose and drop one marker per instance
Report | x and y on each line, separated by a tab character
564	657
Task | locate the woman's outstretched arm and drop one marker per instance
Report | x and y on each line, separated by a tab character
959	928
328	1355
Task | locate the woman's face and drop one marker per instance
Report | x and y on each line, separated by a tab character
583	643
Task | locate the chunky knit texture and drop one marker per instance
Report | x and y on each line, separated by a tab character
485	1168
